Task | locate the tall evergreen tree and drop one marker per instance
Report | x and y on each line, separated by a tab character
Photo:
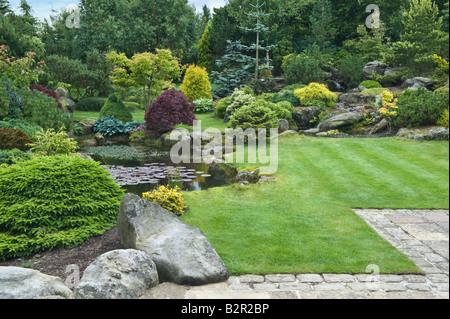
4	7
321	29
259	28
205	55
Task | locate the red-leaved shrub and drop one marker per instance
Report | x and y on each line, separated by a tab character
168	110
46	91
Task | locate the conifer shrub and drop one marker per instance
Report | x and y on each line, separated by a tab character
47	92
239	98
42	110
168	198
316	94
54	202
420	108
196	84
256	116
114	106
168	110
11	138
220	110
370	84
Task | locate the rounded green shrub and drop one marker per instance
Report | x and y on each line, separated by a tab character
420	108
238	100
369	84
114	106
316	94
221	108
255	116
54	202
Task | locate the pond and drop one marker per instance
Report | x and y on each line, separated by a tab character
139	175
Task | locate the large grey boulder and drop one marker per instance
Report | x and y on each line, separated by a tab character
375	66
181	252
356	98
340	120
22	283
415	83
118	274
304	117
67	104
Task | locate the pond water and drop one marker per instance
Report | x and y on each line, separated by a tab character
140	176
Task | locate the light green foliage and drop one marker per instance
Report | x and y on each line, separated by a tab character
196	83
153	73
52	143
316	94
22	72
443	121
369	84
54	201
205	55
256	116
203	105
238	100
114	106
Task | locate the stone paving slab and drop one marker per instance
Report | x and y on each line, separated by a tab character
422	235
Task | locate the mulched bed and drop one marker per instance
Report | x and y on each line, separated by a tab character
55	262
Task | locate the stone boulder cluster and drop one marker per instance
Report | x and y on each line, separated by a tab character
354	106
159	248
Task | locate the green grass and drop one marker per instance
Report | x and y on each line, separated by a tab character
208	119
303	222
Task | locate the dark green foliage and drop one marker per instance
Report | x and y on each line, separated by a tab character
420	108
284	47
11	156
351	68
116	107
11	138
52	202
108	126
4	100
93	104
42	110
221	108
19	124
302	69
287	96
16	104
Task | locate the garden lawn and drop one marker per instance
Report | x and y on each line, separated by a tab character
303	222
208	119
